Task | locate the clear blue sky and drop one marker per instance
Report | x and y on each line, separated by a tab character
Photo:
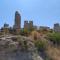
42	12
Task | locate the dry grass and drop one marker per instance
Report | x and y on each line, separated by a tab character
53	52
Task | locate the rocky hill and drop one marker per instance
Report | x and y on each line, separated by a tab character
34	47
18	48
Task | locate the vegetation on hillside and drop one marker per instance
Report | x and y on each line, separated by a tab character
41	45
54	37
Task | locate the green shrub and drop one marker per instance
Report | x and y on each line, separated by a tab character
41	45
54	37
25	32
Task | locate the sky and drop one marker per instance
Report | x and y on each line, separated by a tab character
41	12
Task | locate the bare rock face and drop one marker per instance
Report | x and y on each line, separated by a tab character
22	48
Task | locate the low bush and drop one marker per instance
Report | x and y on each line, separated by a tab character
41	45
54	37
